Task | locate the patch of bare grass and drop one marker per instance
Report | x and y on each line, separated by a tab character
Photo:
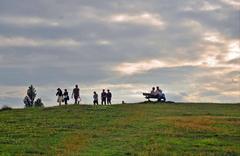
72	144
199	124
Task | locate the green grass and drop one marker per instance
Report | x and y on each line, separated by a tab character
134	129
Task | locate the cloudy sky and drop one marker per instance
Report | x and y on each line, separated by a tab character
190	48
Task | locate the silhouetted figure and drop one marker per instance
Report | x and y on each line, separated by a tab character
160	95
65	96
95	98
104	97
76	94
153	92
59	94
109	97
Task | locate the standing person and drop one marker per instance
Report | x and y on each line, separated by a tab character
103	97
109	97
76	94
59	94
95	98
65	96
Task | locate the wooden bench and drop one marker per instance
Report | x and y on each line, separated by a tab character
149	96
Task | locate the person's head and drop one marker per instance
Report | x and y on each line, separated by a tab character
76	86
94	92
108	90
58	89
65	90
103	90
157	88
153	88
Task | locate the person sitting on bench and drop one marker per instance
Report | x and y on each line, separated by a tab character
160	95
153	92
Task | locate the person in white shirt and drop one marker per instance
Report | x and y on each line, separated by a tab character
95	98
153	92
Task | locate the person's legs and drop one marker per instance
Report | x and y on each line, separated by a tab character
65	100
109	101
164	99
59	100
75	100
105	101
161	98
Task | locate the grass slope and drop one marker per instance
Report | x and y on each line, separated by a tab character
136	129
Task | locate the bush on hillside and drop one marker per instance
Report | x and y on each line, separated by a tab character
38	103
27	102
4	108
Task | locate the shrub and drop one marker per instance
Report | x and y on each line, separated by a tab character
27	102
4	108
38	103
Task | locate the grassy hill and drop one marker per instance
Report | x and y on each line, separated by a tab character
136	129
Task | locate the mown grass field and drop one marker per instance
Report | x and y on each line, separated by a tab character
133	129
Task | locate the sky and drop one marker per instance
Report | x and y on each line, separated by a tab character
189	48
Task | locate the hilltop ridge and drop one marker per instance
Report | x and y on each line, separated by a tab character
129	129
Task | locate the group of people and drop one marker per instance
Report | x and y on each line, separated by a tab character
157	93
64	97
106	97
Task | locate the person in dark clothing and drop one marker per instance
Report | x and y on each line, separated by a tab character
59	94
109	97
76	94
65	96
104	97
95	98
160	95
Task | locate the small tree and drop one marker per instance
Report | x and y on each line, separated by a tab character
31	93
38	103
29	100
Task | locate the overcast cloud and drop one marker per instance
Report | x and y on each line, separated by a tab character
190	48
